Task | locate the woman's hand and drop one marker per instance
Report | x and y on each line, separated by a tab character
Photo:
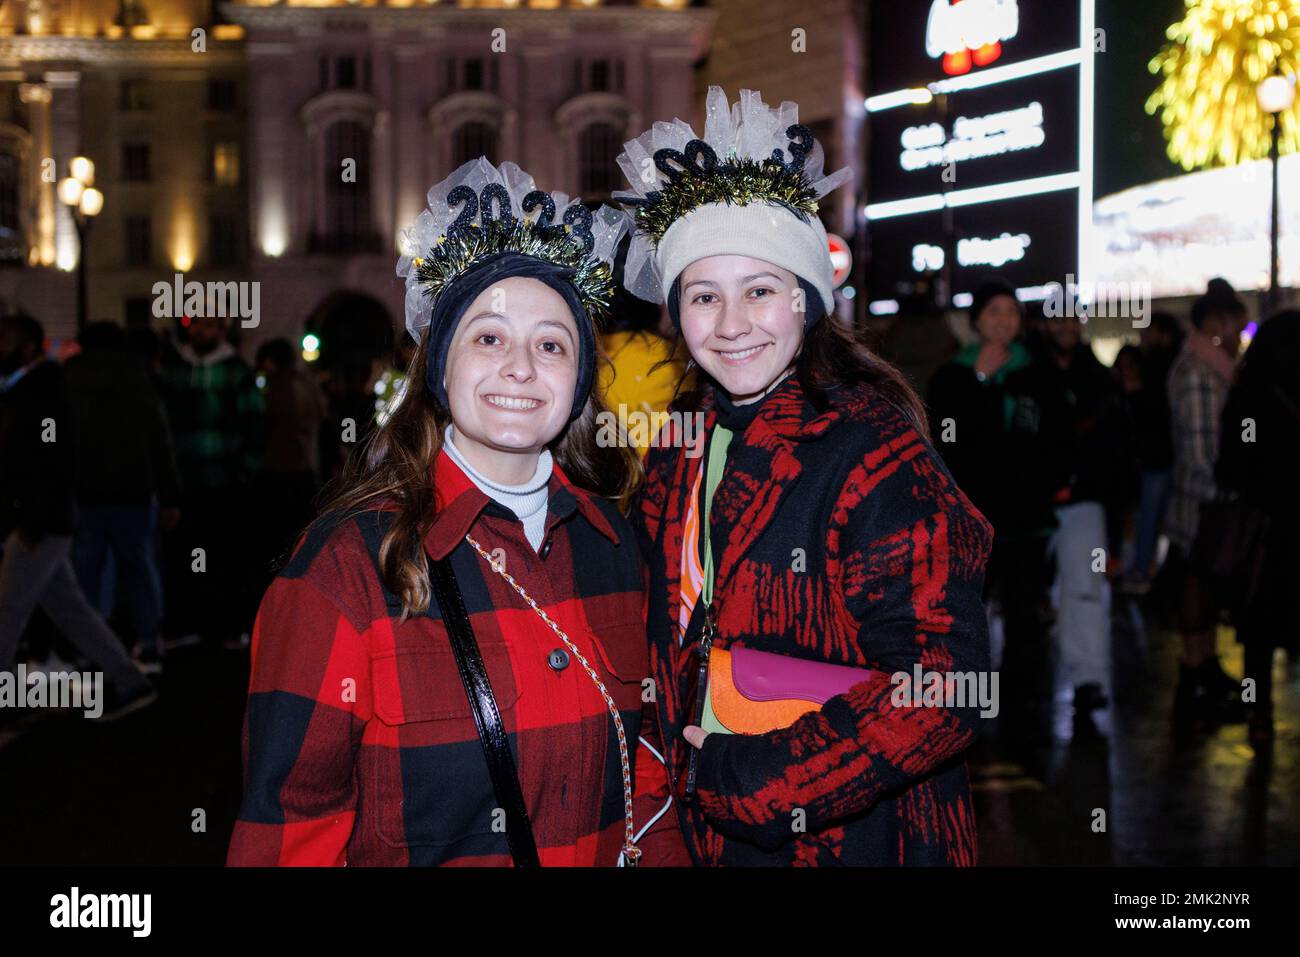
992	357
695	735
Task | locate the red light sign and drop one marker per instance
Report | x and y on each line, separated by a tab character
969	33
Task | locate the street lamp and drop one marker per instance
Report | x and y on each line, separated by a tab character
1275	93
84	203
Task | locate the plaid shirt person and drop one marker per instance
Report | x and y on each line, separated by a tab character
359	744
217	417
1197	394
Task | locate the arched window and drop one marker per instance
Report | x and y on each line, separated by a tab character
598	147
347	223
472	140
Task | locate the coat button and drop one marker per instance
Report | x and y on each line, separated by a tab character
558	659
546	548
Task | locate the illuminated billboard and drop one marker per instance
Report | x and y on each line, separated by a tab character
1181	232
981	142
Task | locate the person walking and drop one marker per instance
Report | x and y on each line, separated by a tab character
126	476
38	514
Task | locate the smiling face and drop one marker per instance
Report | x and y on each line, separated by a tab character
739	322
511	373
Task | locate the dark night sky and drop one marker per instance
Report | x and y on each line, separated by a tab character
1130	144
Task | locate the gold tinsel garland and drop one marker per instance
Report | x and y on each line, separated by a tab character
457	253
736	182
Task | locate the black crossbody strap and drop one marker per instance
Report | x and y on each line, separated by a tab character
491	731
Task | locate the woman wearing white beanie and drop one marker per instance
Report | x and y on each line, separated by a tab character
818	559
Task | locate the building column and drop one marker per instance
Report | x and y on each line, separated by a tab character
42	194
410	136
271	122
65	141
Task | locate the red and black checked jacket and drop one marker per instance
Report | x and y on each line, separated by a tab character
359	744
840	537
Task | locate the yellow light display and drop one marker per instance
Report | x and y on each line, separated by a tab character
1210	70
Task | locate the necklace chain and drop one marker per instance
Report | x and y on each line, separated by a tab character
630	851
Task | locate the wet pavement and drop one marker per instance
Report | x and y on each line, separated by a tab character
161	786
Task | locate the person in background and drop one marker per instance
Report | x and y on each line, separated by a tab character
1198	389
217	424
641	371
290	477
1096	472
986	415
1126	371
1153	442
38	514
126	471
1263	472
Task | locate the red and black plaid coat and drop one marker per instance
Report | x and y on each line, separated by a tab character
838	536
359	744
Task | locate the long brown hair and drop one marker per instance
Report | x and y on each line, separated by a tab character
392	468
834	356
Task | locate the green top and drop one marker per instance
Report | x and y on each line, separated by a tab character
719	440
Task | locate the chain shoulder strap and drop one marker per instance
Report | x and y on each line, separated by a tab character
631	853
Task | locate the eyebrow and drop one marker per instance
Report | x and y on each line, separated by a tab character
489	314
559	325
746	279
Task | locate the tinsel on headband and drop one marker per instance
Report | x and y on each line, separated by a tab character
454	254
738	182
482	210
749	153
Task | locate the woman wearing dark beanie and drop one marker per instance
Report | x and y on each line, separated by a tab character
449	669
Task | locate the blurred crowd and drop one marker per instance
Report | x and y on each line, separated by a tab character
151	486
1169	474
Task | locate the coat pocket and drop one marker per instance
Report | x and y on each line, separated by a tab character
431	779
624	655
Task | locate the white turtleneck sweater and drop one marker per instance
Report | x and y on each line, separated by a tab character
528	501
